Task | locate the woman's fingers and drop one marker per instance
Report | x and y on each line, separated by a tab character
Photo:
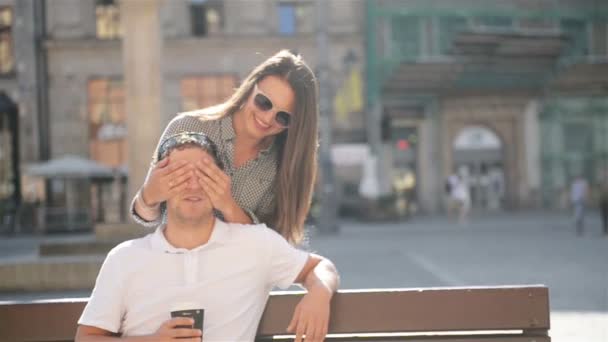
208	184
175	169
178	189
183	176
162	163
213	171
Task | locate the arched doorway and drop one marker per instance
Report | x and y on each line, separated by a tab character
478	156
10	186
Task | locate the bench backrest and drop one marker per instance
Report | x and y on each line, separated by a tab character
518	313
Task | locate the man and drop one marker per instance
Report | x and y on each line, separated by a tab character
578	197
604	206
225	269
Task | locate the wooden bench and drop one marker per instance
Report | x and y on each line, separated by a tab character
483	314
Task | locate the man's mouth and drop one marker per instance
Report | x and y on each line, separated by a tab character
193	198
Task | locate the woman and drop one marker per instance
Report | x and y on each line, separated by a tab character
266	135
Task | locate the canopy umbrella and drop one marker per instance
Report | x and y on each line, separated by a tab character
70	166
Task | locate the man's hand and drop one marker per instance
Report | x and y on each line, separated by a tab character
311	316
170	331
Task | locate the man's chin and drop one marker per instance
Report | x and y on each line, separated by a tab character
193	219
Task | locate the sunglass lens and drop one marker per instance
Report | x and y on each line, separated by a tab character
262	102
283	119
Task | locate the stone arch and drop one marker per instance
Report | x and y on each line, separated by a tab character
478	154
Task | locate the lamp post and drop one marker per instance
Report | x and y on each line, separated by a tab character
327	220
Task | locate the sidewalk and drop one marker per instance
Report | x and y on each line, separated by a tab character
501	249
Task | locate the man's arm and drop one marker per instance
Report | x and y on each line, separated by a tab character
319	273
168	331
311	317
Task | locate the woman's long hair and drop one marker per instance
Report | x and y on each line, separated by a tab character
297	145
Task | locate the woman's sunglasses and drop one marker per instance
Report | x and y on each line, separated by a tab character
263	103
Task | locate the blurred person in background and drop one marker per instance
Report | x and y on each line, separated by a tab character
579	191
604	206
459	197
266	134
452	204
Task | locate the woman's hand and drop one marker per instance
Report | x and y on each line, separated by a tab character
217	185
311	317
166	180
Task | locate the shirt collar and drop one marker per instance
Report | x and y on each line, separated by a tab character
227	128
228	133
219	235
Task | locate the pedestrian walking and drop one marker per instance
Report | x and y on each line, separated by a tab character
578	197
459	197
604	206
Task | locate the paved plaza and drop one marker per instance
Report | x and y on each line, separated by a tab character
501	249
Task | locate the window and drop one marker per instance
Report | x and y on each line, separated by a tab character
287	19
493	22
107	122
7	61
576	31
6	158
406	37
578	138
449	28
108	19
296	17
204	91
206	17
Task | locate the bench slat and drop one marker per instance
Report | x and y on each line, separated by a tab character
470	338
382	311
411	310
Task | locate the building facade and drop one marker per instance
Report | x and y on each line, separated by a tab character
511	94
65	69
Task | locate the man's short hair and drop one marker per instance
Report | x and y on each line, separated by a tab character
189	138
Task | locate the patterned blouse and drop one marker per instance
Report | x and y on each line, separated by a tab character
252	183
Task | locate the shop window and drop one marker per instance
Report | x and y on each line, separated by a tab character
107	122
7	61
204	91
108	19
206	17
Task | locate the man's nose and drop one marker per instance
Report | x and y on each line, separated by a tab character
193	184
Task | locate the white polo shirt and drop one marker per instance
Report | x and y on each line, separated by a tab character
230	277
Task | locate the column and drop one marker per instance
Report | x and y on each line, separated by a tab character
142	62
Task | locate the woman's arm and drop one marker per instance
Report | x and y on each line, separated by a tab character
161	178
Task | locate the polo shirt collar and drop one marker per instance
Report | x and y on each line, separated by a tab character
219	235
